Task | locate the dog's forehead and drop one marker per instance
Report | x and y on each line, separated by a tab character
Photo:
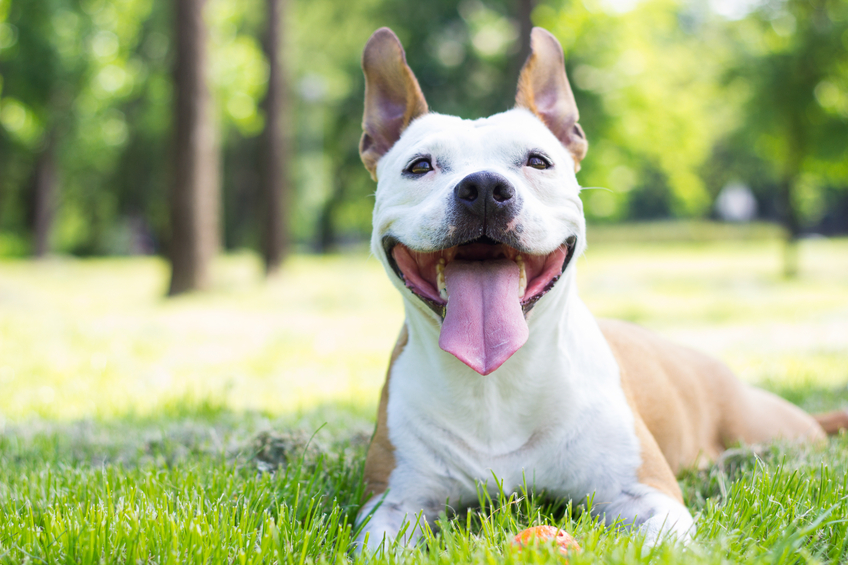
501	136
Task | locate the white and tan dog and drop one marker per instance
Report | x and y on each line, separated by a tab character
500	368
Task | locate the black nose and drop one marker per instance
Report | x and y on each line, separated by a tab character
485	193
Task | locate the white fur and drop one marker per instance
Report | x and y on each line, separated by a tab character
555	413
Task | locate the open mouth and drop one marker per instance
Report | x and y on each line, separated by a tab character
483	290
423	272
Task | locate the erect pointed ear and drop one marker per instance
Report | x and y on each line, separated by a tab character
392	97
544	90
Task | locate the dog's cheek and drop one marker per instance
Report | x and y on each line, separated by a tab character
543	226
394	200
418	226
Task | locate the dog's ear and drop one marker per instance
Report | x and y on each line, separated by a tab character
544	90
392	97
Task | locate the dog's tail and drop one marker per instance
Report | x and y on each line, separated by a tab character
832	422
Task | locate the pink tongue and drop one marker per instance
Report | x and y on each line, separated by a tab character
484	324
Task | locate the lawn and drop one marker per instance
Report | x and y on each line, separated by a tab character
231	426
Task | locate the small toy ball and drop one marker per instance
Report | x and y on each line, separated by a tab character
564	541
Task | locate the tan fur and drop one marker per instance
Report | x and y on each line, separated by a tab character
654	470
692	404
393	97
381	453
543	89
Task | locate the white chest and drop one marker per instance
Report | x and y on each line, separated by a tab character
553	418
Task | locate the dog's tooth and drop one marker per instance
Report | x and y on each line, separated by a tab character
522	276
440	279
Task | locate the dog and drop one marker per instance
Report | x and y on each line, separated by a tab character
500	369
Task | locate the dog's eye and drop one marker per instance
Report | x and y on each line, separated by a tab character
538	162
420	167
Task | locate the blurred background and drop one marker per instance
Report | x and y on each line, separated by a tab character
724	109
152	137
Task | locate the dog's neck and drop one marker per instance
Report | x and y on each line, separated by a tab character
504	410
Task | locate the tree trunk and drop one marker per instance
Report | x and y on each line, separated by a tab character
792	165
195	192
525	26
44	203
327	232
275	183
3	183
792	228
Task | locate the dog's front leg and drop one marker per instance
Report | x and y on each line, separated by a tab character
653	501
389	520
655	513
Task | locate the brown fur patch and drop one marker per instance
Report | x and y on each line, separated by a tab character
380	461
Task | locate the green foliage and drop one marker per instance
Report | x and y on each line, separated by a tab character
650	114
792	66
67	76
102	89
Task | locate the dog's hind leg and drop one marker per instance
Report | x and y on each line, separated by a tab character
754	415
833	422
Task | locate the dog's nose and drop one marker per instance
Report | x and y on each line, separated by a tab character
483	193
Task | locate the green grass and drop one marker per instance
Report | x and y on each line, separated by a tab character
231	427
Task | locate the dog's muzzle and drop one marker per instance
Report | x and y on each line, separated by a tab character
482	290
423	271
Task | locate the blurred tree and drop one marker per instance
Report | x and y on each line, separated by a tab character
44	195
112	62
239	73
35	110
525	26
342	134
793	64
195	192
275	170
69	67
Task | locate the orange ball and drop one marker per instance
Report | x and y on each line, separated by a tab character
564	541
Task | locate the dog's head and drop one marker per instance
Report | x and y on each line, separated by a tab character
475	220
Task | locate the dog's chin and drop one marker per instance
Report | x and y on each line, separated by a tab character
423	271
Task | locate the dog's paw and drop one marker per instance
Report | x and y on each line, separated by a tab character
665	527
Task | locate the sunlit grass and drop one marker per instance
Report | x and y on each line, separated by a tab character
98	338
